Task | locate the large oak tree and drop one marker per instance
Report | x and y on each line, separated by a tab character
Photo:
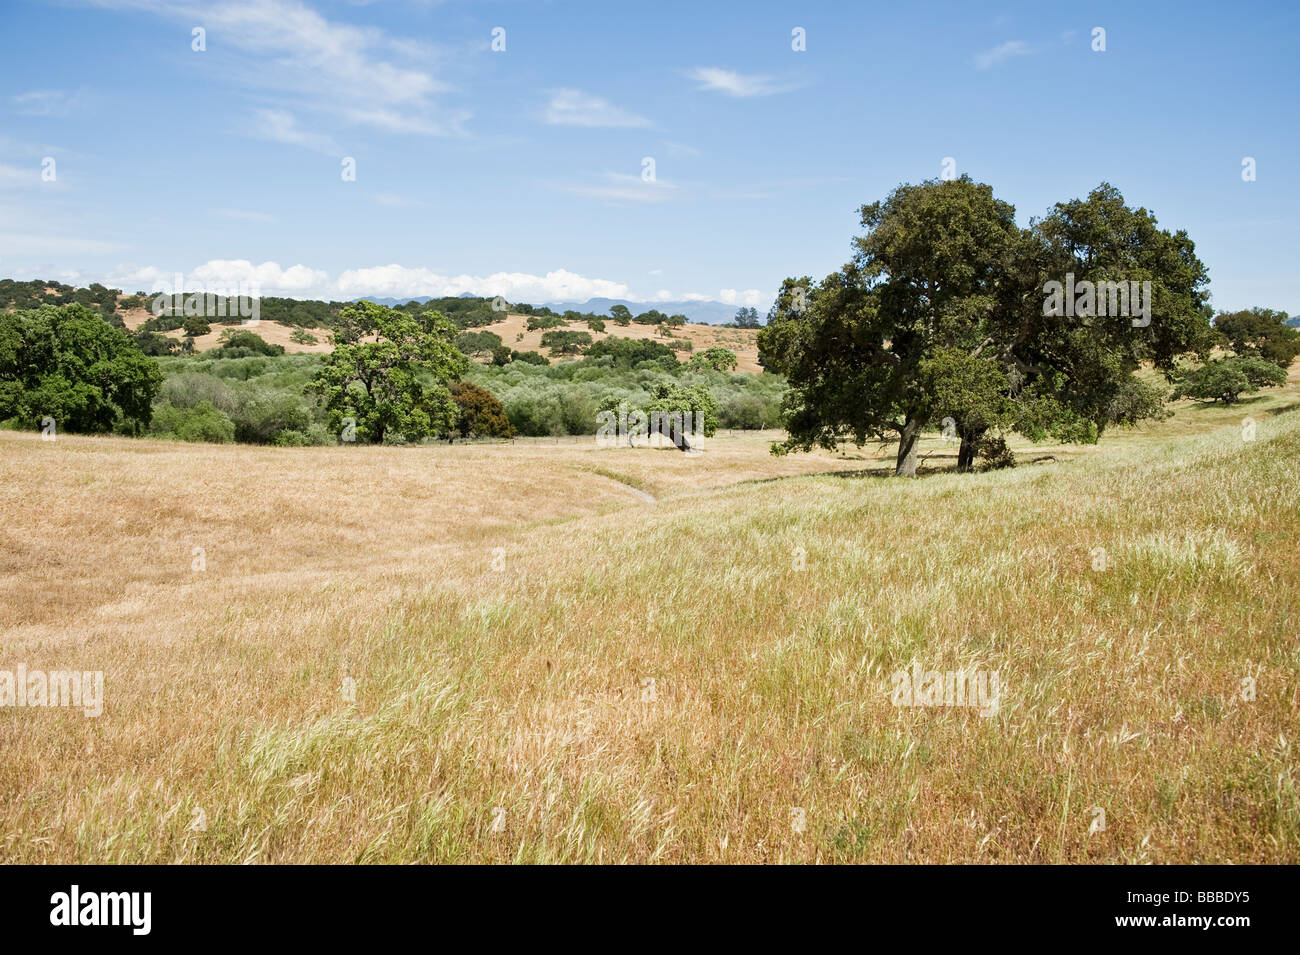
940	314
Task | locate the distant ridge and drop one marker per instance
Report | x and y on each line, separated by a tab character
703	313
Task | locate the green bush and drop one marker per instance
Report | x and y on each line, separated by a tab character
202	422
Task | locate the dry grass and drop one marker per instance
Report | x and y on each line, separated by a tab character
528	687
513	330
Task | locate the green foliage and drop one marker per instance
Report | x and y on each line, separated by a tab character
478	344
747	318
564	342
629	352
301	336
241	343
717	358
394	388
66	363
263	398
621	314
596	324
943	269
202	422
673	397
544	321
156	345
479	413
32	295
1227	379
530	357
194	327
1260	332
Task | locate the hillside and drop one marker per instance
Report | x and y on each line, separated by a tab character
561	652
134	311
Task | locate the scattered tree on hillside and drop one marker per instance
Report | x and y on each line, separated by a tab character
747	318
564	342
716	358
1261	332
1227	379
478	344
621	313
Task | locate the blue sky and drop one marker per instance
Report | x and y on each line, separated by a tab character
520	172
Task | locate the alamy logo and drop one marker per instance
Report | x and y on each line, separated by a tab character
623	428
1089	299
103	908
243	301
978	689
82	690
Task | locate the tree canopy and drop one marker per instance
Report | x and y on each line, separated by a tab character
941	314
68	364
396	385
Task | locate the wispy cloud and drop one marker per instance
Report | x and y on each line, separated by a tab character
43	102
680	150
619	188
280	126
998	54
569	107
26	243
245	215
347	74
716	79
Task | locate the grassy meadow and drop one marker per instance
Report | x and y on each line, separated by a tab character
565	653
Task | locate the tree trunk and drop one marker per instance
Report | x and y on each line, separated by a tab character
969	449
909	440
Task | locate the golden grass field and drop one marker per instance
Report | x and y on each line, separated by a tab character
549	667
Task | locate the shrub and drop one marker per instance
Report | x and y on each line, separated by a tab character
202	422
242	344
479	413
530	357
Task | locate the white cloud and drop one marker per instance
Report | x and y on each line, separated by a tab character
352	74
23	243
245	215
396	281
12	177
269	278
680	150
999	53
382	281
575	108
43	103
619	188
716	79
279	126
730	296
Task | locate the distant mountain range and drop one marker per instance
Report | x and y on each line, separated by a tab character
1294	321
704	313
